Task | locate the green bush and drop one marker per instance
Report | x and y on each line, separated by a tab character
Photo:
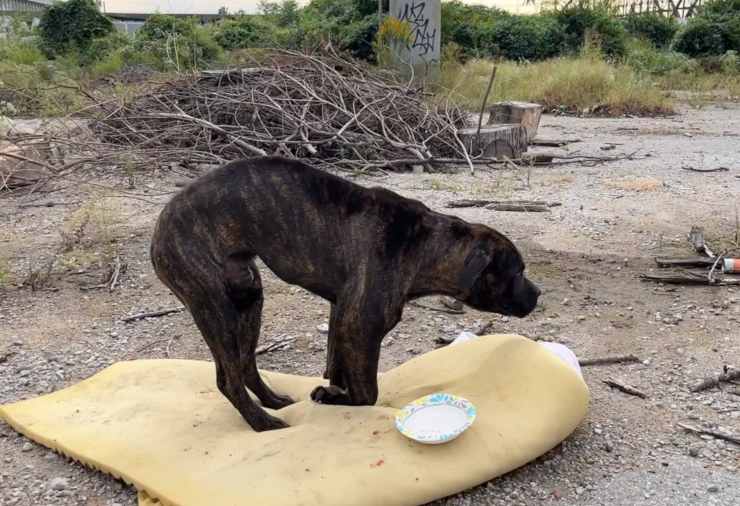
358	37
645	58
101	48
176	43
465	25
243	32
701	37
72	26
580	21
283	14
23	51
524	38
342	22
713	31
658	29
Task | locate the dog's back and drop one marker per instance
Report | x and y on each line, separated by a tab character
310	227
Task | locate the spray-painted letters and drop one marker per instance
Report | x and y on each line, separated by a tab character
423	37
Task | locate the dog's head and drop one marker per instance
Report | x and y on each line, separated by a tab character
492	278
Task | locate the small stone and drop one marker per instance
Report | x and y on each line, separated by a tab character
580	490
58	483
323	328
713	489
694	451
580	318
27	447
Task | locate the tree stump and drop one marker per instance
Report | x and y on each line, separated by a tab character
517	113
495	142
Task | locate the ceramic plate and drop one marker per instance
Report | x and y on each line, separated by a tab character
436	418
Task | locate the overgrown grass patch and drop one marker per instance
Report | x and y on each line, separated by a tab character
579	84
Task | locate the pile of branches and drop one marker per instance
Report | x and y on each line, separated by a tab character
325	109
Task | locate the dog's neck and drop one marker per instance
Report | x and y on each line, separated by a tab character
442	259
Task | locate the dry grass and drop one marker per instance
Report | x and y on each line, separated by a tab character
88	243
583	84
89	234
640	184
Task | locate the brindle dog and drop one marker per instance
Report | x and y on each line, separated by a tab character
366	250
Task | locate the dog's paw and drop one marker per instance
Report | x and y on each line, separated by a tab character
266	422
277	401
331	394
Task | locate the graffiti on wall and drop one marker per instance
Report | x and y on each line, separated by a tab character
423	36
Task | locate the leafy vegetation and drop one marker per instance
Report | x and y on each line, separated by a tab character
659	30
714	31
72	25
601	61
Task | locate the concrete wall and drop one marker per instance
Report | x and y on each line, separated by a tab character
425	18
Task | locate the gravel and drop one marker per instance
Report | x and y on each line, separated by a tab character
586	255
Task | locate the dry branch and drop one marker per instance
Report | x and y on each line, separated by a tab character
553	143
322	108
709	432
684	277
716	380
492	204
684	262
153	314
625	388
693	169
626	359
279	343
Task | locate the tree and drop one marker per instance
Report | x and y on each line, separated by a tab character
72	25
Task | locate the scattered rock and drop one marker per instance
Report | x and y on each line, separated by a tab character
713	489
59	483
27	447
323	328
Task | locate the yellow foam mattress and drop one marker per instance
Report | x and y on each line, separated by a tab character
163	426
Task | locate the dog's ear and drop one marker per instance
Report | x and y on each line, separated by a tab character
477	260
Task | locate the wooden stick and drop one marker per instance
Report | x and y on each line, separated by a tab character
554	143
684	262
716	380
710	276
485	203
116	273
280	342
522	208
625	388
438	309
708	432
624	359
483	107
153	314
718	169
688	278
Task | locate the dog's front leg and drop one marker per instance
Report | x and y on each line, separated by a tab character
355	333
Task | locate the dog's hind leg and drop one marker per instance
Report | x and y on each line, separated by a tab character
244	287
196	280
220	323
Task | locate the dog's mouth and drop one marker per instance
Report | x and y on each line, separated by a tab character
517	310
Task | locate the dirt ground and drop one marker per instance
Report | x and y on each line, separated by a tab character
587	255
